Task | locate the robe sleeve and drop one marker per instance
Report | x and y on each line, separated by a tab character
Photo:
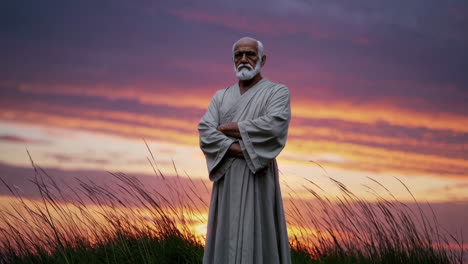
263	138
213	143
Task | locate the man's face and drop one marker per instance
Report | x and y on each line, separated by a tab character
247	62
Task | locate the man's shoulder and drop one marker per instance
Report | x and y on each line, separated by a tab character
278	87
220	92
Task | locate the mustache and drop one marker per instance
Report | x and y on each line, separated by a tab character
245	65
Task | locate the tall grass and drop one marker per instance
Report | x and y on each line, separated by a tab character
134	224
349	229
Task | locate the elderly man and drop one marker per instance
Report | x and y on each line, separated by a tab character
241	133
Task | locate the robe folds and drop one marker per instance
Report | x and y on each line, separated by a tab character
246	221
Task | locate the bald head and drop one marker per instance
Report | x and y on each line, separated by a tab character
248	40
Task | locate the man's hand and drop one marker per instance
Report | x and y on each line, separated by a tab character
235	151
230	129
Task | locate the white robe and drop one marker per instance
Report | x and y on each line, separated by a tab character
246	221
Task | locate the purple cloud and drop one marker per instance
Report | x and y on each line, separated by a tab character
21	140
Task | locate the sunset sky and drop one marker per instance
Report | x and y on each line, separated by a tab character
378	89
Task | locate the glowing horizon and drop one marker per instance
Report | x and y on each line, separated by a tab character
377	91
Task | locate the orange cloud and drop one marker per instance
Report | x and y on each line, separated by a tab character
303	140
377	159
198	97
127	130
299	132
373	113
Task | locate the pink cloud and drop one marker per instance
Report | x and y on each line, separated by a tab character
236	22
266	25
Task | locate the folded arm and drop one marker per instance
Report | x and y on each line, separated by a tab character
214	144
235	151
230	129
263	138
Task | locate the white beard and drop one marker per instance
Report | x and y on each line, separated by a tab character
247	74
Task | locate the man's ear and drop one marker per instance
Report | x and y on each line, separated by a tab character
263	60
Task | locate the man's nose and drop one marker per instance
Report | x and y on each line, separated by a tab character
244	58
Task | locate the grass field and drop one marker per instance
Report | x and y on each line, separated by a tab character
134	224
